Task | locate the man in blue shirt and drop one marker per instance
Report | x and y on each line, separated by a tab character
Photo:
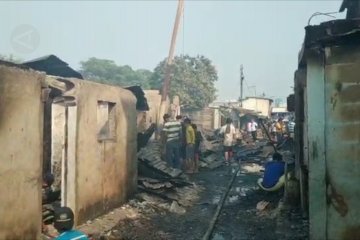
273	171
64	222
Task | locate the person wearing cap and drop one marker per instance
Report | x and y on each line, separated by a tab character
64	222
172	135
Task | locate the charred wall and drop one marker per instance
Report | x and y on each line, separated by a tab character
21	134
105	153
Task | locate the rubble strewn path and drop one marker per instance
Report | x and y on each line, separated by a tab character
248	213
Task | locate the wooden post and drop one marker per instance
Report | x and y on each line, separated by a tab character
167	78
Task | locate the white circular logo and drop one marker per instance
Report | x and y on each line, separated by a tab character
25	39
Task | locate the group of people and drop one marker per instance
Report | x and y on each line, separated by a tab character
181	141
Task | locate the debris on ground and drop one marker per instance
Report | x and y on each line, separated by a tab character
262	205
211	160
155	184
167	198
151	164
175	208
105	223
252	167
160	181
291	224
211	156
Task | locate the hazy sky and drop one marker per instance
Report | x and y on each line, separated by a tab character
264	36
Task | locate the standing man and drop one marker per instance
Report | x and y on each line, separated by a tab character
172	134
182	146
229	132
198	139
190	147
252	128
273	131
279	130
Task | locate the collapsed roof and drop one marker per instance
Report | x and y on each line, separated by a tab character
141	104
53	65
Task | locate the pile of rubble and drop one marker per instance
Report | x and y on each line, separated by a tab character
211	148
168	189
160	184
151	164
212	157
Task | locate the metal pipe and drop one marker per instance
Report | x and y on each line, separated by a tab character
219	207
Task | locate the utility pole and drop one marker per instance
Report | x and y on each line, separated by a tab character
169	61
166	83
241	83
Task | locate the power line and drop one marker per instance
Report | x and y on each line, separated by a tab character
328	14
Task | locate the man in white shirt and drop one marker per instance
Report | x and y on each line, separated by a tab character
229	132
252	128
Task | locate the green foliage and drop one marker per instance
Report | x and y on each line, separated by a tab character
107	71
192	79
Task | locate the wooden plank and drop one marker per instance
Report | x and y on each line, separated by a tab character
211	158
53	82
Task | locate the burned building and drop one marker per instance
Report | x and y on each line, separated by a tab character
82	131
21	131
327	108
94	135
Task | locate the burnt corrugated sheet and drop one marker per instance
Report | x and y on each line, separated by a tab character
53	65
150	162
141	103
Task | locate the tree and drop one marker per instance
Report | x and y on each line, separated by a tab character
107	71
192	79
